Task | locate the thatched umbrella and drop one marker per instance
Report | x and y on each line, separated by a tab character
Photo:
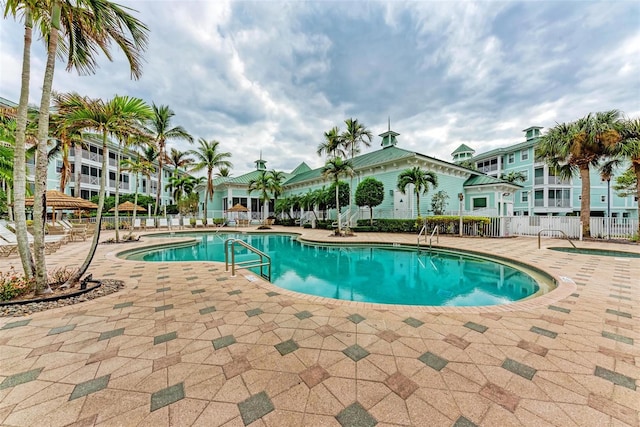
238	208
128	207
58	200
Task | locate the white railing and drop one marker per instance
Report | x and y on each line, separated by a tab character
532	225
613	228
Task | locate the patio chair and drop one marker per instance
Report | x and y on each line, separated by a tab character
210	222
175	223
186	222
51	243
150	223
7	248
162	223
66	224
198	223
137	224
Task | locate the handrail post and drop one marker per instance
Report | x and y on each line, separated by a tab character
233	259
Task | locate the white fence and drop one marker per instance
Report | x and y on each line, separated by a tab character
601	228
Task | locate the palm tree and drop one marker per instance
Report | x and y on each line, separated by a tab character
137	167
208	157
277	178
334	169
31	12
179	159
113	117
355	134
87	28
130	135
223	172
262	184
514	177
420	179
160	127
571	149
332	146
629	148
150	154
67	138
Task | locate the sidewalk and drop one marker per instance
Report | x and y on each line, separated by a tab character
185	344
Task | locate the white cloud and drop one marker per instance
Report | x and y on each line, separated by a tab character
276	75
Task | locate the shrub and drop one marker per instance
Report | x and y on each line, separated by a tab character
218	221
60	275
306	225
13	285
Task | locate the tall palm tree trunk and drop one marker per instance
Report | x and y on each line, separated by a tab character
160	165
338	205
585	202
39	207
77	160
418	200
96	235
117	199
135	203
19	165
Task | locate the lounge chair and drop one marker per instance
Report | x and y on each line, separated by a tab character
150	223
210	222
7	248
186	222
198	223
175	223
137	224
162	223
51	243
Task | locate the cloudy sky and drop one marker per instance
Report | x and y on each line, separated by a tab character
274	76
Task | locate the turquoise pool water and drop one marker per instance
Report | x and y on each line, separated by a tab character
386	275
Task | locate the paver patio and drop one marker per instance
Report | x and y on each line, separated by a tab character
186	344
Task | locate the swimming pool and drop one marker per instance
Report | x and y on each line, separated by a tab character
379	274
600	252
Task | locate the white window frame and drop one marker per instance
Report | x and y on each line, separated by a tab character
524	155
511	158
524	197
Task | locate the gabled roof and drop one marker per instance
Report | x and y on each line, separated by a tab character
302	167
486	180
360	162
463	149
242	179
505	150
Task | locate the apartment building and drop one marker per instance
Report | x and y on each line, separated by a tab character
542	192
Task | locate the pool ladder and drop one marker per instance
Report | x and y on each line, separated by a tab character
424	231
560	231
230	258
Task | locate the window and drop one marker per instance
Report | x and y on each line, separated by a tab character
524	155
539	174
479	203
488	165
538	197
525	174
511	158
524	197
559	198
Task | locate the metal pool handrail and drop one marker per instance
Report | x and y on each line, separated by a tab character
550	229
437	233
246	264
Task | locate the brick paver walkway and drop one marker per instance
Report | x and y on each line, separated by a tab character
185	344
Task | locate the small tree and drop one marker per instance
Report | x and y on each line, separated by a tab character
626	184
188	205
343	195
370	192
439	202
